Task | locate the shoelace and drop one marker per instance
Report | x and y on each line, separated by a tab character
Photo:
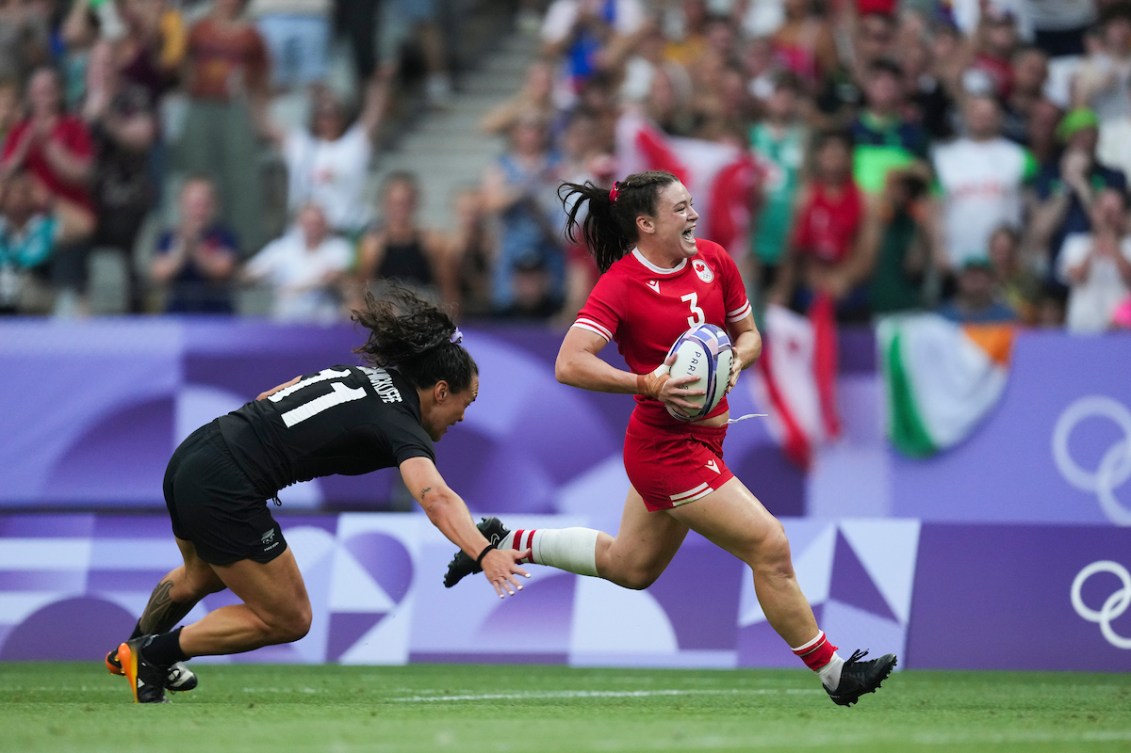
857	655
746	416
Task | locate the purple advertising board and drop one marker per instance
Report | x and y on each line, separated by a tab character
941	596
1022	597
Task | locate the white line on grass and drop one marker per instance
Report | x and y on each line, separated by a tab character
558	694
63	689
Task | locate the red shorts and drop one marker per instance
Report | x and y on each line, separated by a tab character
671	466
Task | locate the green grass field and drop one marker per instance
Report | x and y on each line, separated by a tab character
63	707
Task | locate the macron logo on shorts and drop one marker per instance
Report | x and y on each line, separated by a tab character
713	466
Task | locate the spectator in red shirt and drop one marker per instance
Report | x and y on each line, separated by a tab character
53	145
821	258
56	148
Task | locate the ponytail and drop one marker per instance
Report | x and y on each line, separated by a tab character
609	224
415	337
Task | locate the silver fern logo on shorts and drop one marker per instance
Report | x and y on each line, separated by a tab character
268	537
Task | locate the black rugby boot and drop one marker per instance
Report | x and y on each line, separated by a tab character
461	565
860	677
147	681
180	678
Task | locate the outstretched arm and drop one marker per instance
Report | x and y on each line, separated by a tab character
449	513
376	101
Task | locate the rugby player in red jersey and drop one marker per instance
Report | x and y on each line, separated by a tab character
657	279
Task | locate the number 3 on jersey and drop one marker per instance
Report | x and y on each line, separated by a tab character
305	409
697	315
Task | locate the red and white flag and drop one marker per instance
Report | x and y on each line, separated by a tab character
719	176
796	378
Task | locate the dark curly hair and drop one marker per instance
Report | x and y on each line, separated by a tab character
609	227
414	337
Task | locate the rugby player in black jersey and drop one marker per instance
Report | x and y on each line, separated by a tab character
418	381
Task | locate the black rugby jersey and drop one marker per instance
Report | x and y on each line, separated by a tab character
344	420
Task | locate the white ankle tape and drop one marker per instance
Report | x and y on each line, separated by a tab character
572	549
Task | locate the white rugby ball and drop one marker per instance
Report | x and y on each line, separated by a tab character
704	351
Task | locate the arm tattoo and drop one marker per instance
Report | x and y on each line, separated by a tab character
162	613
424	493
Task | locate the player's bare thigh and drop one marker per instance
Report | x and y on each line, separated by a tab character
275	609
732	518
272	590
200	579
643	547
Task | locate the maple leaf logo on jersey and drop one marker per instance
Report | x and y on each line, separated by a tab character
655	285
701	269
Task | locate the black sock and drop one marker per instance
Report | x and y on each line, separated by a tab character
137	633
164	649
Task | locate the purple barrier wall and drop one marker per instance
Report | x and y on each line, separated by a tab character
939	595
1022	597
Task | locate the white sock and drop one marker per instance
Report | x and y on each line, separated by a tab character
830	673
570	549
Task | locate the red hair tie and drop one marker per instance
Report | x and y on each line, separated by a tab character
614	192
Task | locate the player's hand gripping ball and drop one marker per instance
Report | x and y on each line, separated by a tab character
704	351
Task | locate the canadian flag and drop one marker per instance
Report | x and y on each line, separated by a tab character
719	176
796	378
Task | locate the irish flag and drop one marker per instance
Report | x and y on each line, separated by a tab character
940	378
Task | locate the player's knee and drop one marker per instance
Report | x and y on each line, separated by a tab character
772	555
637	578
292	626
298	625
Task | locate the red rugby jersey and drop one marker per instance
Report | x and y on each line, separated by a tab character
645	308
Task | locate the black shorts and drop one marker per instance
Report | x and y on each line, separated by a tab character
213	503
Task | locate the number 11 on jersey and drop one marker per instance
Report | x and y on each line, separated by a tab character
339	394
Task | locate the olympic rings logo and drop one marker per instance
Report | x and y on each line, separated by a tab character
1114	606
1114	467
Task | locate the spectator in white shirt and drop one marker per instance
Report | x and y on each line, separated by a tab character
1096	266
304	268
981	176
328	162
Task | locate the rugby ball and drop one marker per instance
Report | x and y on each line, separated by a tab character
704	351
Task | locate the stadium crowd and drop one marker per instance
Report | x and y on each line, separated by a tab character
964	156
